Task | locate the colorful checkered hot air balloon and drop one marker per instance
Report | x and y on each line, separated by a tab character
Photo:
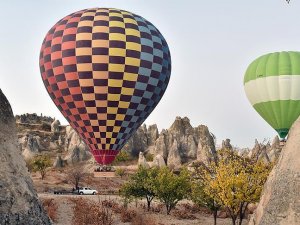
272	85
105	70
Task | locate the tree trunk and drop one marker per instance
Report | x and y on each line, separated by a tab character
148	203
168	209
233	220
242	212
215	216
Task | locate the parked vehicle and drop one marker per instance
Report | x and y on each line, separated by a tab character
87	191
79	191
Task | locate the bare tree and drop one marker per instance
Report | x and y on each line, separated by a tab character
75	175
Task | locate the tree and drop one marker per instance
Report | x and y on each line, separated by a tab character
120	172
171	188
76	175
236	182
40	164
140	185
199	196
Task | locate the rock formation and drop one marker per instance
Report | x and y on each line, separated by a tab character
18	200
142	160
77	150
226	144
59	162
280	201
266	152
206	147
158	161
55	126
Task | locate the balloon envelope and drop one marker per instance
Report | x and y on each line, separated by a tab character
105	70
272	85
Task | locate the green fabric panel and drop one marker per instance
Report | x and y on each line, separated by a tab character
274	64
285	112
282	133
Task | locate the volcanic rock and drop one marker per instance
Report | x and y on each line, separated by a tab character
19	203
280	200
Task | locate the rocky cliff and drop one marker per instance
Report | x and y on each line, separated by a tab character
18	200
179	144
280	201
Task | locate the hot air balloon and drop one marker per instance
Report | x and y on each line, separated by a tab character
272	85
106	70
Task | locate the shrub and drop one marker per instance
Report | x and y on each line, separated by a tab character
51	208
123	156
171	188
40	164
127	215
149	157
141	219
87	212
120	172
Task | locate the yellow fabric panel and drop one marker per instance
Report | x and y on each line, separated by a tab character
100	90
116	129
113	97
133	32
107	146
83	51
110	122
100	43
123	105
130	20
97	135
117	52
100	29
127	91
133	46
101	103
85	67
100	59
113	140
94	122
84	36
115	83
111	110
86	23
116	24
116	67
117	37
132	61
115	14
130	76
91	109
120	117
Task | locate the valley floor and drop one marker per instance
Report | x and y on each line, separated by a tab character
65	211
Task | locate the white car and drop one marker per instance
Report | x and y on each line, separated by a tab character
87	191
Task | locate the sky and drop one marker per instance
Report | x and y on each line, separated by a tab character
211	44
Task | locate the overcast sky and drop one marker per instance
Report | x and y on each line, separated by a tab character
211	43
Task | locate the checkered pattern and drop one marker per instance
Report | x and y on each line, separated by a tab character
106	70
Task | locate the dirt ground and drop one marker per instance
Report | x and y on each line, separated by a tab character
108	189
65	211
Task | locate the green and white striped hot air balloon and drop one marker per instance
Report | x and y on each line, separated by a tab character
272	85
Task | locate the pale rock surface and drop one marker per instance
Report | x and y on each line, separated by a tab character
226	144
206	151
19	204
142	161
159	161
280	201
31	145
76	148
55	126
59	162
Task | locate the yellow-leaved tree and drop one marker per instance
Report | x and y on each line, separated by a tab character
235	183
